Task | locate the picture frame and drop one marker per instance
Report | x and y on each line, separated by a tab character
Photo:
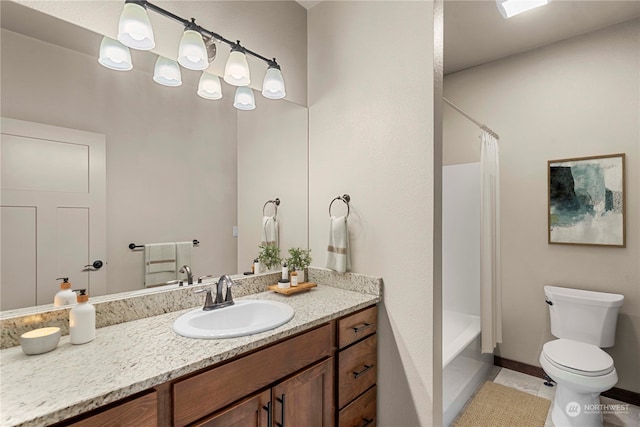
587	201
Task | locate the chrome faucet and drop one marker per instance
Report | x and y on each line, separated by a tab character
220	301
187	269
228	299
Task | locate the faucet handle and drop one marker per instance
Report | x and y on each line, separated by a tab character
229	297
206	276
208	302
174	282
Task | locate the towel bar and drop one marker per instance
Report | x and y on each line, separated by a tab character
276	203
345	198
133	246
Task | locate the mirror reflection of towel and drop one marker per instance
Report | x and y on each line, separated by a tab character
159	263
338	253
269	231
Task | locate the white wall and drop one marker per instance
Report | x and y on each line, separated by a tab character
371	122
578	97
461	238
272	163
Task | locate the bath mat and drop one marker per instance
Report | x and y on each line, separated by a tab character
498	406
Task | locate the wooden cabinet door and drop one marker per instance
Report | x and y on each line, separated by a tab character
251	412
305	399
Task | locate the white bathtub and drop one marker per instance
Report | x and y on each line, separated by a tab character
464	367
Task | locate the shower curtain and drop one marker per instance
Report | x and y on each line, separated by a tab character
490	271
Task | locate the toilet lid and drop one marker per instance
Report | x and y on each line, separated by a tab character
578	357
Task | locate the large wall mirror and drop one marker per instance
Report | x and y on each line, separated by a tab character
178	167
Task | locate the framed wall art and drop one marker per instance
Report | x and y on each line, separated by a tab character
587	201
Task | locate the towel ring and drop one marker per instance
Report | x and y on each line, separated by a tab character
346	199
275	202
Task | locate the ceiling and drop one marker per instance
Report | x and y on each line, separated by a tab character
475	32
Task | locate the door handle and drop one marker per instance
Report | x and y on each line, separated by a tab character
97	265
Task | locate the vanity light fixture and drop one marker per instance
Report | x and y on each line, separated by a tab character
167	72
236	71
273	84
244	99
115	55
134	28
509	8
192	53
209	86
196	50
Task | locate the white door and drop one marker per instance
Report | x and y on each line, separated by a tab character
53	212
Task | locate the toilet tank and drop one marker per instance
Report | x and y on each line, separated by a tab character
584	316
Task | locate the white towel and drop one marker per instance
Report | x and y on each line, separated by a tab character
269	231
159	263
183	257
338	256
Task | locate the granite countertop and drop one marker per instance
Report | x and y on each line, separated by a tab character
127	358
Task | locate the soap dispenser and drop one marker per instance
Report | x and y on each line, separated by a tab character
65	295
82	320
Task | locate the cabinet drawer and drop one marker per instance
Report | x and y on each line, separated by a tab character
205	393
357	369
361	412
139	412
357	326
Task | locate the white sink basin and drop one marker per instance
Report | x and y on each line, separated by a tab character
245	317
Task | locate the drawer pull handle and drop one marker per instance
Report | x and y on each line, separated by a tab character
362	372
366	421
357	329
267	408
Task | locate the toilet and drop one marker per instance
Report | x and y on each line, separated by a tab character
584	322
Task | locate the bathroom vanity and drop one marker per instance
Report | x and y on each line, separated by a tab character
318	369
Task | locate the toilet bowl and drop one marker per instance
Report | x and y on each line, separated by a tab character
584	321
582	371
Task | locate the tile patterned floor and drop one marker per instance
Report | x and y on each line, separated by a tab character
535	386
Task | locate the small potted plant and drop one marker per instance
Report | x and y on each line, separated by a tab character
299	259
269	256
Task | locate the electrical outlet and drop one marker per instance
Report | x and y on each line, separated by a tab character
235	231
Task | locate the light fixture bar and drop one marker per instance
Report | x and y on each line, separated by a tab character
192	25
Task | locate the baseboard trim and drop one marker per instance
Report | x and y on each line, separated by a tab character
615	393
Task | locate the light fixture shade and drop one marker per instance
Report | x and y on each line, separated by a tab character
236	71
134	28
509	8
244	99
273	84
192	53
209	86
167	72
115	55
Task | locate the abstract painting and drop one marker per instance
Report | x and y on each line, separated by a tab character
587	201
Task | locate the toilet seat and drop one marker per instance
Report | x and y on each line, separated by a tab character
577	357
